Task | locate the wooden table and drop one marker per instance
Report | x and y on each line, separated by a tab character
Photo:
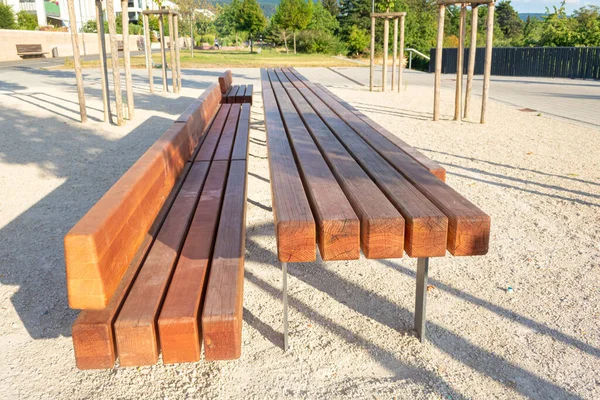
342	183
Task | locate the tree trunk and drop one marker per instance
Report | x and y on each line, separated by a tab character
287	51
193	40
294	42
251	43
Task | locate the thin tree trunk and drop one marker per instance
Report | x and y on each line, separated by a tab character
287	51
294	42
193	40
251	43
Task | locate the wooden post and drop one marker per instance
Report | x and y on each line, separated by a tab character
372	55
163	54
395	52
148	50
487	70
386	40
127	59
460	64
401	67
172	54
76	60
103	61
472	55
438	63
114	51
177	55
193	40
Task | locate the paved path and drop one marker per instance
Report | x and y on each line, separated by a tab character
49	62
575	100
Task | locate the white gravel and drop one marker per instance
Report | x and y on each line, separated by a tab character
350	322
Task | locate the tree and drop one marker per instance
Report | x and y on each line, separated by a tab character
508	19
27	21
251	19
7	17
293	15
358	40
332	6
227	19
187	9
588	29
558	29
322	20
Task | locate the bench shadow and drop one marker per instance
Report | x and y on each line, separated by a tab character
32	243
392	315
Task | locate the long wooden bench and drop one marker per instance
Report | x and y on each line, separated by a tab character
234	93
316	140
157	263
30	50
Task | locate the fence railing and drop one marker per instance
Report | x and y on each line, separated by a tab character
550	62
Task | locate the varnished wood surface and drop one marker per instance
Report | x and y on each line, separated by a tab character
92	332
101	245
248	94
211	141
338	229
179	324
242	136
135	327
223	307
225	145
239	96
200	113
426	226
382	226
295	228
225	81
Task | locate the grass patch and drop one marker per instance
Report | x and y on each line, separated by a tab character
233	59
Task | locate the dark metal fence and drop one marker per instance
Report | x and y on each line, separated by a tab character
550	62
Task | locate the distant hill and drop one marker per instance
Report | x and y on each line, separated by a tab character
524	16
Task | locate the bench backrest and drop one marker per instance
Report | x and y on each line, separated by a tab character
29	48
101	245
225	81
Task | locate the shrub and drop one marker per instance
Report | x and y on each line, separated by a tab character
311	41
7	17
26	21
358	40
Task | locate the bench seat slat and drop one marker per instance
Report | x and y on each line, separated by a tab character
468	226
248	94
92	331
199	115
338	228
178	324
225	145
223	307
239	96
426	226
382	226
242	135
211	141
295	229
135	327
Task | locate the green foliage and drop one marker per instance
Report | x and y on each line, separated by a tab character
251	19
358	40
331	6
588	31
90	26
293	15
508	20
7	17
26	21
322	20
558	29
313	41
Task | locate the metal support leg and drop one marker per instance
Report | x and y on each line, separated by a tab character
285	308
421	303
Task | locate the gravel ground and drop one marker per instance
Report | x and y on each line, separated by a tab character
350	322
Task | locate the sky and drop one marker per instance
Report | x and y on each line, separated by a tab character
539	6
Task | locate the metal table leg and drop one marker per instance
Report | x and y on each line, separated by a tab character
421	302
285	308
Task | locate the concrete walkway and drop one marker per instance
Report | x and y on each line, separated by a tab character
575	100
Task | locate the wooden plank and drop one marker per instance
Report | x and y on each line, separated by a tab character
382	226
248	94
92	332
469	227
101	245
426	226
135	327
223	307
179	323
242	135
225	81
200	113
338	228
214	134
231	95
294	224
224	148
239	97
432	166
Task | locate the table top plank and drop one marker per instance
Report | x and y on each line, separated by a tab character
295	228
426	226
382	226
338	228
